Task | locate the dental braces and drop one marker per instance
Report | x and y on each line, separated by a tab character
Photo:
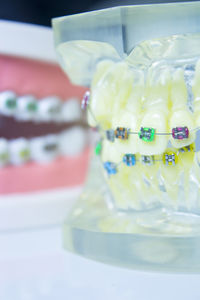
147	134
169	158
27	108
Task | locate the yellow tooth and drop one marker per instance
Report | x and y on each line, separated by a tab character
155	107
133	103
110	152
178	91
157	92
182	118
110	93
196	88
158	121
196	92
127	120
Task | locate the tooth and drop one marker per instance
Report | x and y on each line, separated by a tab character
49	109
45	148
71	110
196	87
155	116
170	177
19	150
103	68
126	187
4	153
110	152
178	91
133	103
157	91
129	121
8	103
153	120
182	118
109	94
26	108
196	92
72	141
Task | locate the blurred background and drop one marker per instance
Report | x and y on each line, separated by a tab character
41	11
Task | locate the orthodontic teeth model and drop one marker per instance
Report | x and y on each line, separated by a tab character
144	99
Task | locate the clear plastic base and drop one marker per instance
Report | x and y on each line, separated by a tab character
157	240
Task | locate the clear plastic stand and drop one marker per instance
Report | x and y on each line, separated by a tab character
96	230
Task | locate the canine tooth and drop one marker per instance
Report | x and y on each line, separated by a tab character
154	120
19	150
8	103
26	108
72	141
49	109
4	154
178	90
182	118
71	110
112	86
44	149
127	120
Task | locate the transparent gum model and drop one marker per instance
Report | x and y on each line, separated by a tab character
141	204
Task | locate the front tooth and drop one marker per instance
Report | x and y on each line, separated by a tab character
8	103
45	148
71	110
178	91
4	153
72	141
26	108
182	118
49	109
155	144
19	150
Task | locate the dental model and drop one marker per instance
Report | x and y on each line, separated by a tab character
144	99
43	134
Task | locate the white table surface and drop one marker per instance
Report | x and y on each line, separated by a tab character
33	265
